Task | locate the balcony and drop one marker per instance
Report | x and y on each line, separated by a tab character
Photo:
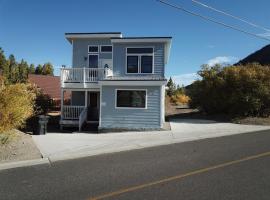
78	76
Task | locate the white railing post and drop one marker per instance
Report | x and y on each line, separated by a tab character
84	75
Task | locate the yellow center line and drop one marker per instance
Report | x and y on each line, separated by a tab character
180	176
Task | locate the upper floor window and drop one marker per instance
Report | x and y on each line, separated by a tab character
92	49
140	60
106	49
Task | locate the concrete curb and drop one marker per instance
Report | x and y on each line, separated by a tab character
24	163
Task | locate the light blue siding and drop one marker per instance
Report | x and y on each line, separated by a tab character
119	58
80	51
112	117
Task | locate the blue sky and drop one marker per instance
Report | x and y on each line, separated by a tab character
34	30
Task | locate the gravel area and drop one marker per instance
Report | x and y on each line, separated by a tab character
20	147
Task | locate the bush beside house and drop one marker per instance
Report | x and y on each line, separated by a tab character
176	94
16	105
233	90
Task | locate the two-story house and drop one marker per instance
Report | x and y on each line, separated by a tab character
115	81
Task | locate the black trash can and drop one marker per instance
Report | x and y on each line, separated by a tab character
42	124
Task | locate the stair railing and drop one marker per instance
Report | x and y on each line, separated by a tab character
82	118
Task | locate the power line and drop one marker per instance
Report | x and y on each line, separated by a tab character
230	15
212	20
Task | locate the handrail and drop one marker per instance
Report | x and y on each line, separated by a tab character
82	75
72	112
82	118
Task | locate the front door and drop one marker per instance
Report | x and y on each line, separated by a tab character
93	99
93	60
93	106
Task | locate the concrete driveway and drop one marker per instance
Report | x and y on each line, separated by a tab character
61	146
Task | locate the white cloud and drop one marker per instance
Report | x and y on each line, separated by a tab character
222	60
185	79
266	34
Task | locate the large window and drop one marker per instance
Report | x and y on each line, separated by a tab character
140	60
131	98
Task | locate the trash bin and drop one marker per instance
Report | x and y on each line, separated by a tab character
43	120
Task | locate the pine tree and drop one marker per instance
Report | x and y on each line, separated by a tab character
4	64
13	70
31	69
171	87
38	69
23	71
47	69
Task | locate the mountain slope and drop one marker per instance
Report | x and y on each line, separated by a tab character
261	56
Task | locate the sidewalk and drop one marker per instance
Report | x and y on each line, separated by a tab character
61	146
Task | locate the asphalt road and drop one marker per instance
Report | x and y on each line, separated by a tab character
232	167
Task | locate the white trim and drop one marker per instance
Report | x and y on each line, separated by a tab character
134	83
88	60
162	105
105	51
138	40
133	89
112	57
72	53
100	106
77	36
81	89
91	51
86	98
139	59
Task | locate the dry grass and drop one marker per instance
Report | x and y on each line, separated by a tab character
18	146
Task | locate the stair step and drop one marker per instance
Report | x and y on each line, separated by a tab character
90	127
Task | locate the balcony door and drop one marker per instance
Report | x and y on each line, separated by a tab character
93	60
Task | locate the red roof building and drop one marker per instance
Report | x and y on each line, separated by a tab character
49	85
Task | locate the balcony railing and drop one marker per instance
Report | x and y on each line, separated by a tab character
72	112
84	75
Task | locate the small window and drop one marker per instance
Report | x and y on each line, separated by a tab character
106	49
139	50
93	49
132	64
146	64
131	99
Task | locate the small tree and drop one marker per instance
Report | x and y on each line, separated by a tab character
171	87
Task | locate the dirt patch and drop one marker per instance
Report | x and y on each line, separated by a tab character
252	120
183	112
19	146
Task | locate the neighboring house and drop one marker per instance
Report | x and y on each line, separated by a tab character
49	85
117	82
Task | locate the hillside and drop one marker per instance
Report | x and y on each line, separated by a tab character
261	56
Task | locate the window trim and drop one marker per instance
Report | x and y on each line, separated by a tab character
105	46
137	108
92	46
139	59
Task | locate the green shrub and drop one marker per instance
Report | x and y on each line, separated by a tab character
233	90
16	105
